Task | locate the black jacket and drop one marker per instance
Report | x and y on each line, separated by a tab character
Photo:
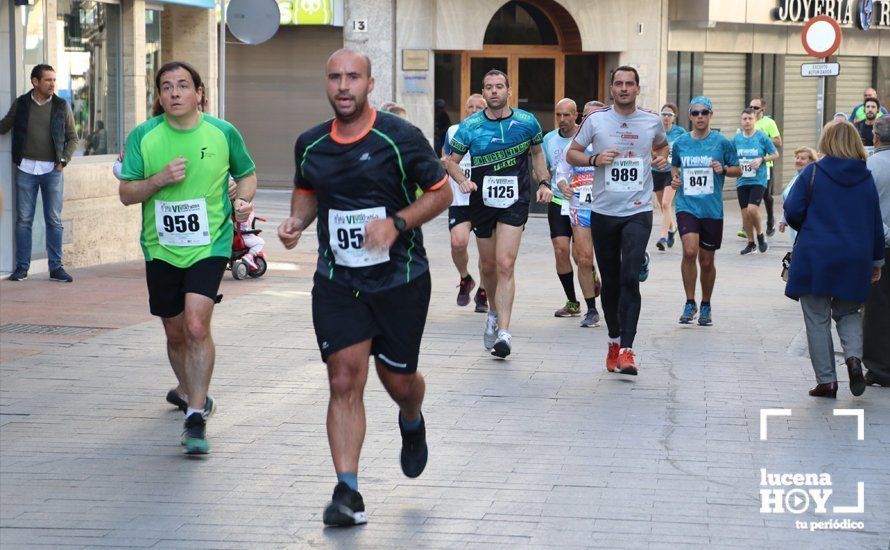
64	138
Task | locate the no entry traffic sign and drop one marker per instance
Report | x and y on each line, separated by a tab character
821	36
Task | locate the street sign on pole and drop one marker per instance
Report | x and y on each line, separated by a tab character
820	69
821	37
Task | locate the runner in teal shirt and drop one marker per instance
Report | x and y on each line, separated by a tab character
755	151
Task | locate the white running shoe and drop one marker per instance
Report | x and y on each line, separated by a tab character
502	346
491	330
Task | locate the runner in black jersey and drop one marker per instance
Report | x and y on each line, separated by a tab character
359	174
501	140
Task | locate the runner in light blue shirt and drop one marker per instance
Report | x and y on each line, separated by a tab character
700	161
755	150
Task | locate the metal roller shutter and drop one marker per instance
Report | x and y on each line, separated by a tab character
800	127
724	85
275	91
855	77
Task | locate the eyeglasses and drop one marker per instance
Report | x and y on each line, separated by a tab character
703	112
668	114
756	108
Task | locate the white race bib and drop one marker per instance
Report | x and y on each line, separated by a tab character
748	171
459	198
347	237
182	223
585	197
500	191
698	181
624	175
870	150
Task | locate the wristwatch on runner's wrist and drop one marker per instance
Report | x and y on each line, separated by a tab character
400	223
543	182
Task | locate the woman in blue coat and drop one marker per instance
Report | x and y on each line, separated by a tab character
838	253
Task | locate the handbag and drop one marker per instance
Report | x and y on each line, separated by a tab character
786	260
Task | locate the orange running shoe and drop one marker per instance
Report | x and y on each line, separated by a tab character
612	358
627	363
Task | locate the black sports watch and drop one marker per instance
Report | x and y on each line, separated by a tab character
400	223
544	182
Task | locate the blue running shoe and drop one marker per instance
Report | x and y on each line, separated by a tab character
670	241
644	271
704	319
689	312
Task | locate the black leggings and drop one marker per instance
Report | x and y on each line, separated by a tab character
768	200
620	244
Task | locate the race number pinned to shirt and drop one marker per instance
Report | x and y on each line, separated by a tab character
500	191
182	223
461	198
347	237
585	197
748	171
698	181
624	175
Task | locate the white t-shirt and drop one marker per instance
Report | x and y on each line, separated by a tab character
459	198
625	187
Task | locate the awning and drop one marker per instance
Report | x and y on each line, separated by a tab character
207	4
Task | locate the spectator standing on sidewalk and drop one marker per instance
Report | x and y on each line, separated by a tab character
876	324
835	201
43	140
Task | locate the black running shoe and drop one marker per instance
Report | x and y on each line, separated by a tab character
194	436
762	245
481	300
751	247
414	449
20	274
464	287
346	508
178	402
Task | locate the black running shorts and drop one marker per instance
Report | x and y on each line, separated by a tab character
486	218
710	230
660	180
560	225
392	319
168	284
750	194
458	215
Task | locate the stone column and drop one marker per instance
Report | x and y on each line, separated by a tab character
133	49
376	43
190	35
415	30
647	50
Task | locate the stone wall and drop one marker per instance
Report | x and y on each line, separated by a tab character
98	228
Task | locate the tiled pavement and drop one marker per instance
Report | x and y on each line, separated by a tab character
545	449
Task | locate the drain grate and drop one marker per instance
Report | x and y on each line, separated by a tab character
51	330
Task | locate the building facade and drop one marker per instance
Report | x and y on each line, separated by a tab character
424	50
105	53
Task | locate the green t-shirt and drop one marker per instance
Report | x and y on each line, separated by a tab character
769	127
190	220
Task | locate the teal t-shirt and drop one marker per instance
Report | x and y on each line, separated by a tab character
188	221
554	151
758	145
701	189
672	135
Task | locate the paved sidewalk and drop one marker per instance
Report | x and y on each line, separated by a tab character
543	450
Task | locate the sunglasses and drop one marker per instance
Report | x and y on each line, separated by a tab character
703	112
754	107
668	114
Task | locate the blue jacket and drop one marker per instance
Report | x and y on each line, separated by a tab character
841	235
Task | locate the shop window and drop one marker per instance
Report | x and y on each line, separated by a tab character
521	23
35	43
152	56
447	90
88	72
685	76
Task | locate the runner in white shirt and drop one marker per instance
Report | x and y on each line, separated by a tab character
626	142
459	224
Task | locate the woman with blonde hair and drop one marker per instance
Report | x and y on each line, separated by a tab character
838	253
803	157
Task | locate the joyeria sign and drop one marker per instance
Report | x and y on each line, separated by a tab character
865	14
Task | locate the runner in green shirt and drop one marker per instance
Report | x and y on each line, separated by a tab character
177	166
769	127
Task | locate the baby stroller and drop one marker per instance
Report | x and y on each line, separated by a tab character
241	269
